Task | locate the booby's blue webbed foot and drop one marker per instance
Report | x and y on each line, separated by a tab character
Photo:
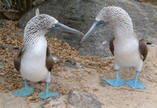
115	82
46	93
133	83
27	90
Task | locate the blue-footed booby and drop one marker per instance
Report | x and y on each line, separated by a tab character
34	60
127	49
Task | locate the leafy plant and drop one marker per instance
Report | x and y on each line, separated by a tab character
21	6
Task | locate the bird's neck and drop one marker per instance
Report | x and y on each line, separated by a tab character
123	27
124	34
35	51
32	40
123	30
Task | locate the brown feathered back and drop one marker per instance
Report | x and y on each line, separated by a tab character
49	60
17	60
143	49
111	46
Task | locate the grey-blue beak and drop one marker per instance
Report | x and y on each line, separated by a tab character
63	27
95	24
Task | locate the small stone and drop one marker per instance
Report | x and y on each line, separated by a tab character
11	49
3	47
102	81
2	23
83	100
79	65
71	62
55	57
104	42
1	64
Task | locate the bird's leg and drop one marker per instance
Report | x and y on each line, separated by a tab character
46	93
134	83
117	75
27	90
116	82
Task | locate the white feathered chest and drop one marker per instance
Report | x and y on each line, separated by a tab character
33	61
126	52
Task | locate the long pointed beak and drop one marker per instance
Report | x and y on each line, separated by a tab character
95	24
89	31
68	29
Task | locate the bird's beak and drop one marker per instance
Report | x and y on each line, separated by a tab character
95	24
67	29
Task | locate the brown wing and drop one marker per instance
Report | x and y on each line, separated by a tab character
143	49
17	60
112	46
49	60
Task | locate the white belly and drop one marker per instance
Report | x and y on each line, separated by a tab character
127	53
33	69
33	62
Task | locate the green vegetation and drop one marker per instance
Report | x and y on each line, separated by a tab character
20	6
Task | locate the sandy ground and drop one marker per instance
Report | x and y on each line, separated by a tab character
90	77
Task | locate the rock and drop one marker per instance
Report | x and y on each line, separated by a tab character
83	100
55	57
10	48
2	23
72	64
80	14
